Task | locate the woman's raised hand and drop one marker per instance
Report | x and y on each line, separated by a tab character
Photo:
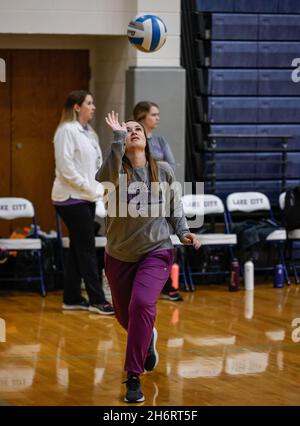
112	119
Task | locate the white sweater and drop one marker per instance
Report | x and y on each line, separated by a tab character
77	158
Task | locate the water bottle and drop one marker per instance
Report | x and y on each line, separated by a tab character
234	284
175	275
249	275
278	276
249	304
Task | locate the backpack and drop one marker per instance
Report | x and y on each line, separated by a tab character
292	208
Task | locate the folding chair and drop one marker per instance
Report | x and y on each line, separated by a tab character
247	203
14	208
208	205
292	237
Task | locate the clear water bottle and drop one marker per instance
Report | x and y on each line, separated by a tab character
278	276
249	275
234	284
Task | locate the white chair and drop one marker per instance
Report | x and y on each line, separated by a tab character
15	208
254	202
203	206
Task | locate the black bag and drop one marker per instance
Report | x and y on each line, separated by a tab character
292	208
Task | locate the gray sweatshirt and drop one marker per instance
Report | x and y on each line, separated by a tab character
130	238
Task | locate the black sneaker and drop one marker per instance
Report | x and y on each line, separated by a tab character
83	305
134	392
152	357
172	295
102	308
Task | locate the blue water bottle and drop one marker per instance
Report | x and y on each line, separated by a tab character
278	276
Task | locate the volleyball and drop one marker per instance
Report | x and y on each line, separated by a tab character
147	33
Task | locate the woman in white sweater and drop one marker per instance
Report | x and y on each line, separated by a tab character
74	194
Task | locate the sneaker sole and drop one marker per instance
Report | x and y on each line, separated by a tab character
155	335
137	400
91	309
75	308
166	297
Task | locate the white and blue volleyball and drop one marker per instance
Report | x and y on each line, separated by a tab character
147	33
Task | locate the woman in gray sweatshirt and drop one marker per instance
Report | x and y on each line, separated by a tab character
139	251
147	113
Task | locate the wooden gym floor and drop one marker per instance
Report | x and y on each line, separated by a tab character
216	348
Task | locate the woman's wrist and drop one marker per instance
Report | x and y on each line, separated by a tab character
119	135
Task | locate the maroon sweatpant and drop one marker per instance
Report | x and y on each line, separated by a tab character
135	288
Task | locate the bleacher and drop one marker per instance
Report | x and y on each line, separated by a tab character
239	82
246	6
245	82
